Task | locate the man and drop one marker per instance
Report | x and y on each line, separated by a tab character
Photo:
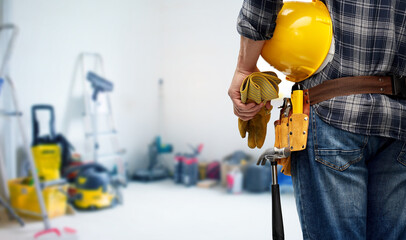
350	182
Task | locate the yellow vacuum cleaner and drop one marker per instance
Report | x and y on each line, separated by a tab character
95	188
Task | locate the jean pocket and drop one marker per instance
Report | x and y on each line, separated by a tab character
336	148
339	160
402	155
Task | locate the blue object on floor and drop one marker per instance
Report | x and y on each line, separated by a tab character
285	183
257	178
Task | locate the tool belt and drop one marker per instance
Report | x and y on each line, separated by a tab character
389	85
292	127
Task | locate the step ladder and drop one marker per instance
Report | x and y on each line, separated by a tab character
3	172
16	113
99	125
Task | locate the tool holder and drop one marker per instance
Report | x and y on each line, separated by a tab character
290	136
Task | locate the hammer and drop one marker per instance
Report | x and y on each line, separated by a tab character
271	155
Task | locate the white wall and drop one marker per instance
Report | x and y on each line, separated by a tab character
126	33
191	45
200	53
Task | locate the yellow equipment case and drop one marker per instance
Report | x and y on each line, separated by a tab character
45	150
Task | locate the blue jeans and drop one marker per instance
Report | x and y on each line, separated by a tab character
350	186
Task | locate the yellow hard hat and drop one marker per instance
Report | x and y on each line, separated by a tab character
303	42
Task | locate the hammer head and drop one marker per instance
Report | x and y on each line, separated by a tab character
272	154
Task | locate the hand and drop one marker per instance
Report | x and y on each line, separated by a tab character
244	111
246	64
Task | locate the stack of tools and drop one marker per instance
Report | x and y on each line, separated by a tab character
186	167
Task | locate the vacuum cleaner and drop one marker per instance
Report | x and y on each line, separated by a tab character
94	187
154	171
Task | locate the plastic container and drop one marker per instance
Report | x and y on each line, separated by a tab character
190	174
24	200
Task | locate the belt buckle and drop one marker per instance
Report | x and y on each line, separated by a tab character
399	86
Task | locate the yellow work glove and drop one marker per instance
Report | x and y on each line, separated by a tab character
258	87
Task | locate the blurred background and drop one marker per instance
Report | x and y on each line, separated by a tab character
161	70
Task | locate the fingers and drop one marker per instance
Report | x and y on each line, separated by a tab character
242	110
268	105
246	111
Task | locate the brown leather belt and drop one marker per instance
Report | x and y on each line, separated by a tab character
353	85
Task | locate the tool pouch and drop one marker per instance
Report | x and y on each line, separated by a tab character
291	130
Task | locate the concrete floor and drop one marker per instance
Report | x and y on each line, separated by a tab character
163	210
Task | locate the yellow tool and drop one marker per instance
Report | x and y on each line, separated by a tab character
302	43
258	87
297	98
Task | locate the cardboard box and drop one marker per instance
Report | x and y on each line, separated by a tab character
207	183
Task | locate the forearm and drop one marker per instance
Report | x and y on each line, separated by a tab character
247	64
248	55
256	21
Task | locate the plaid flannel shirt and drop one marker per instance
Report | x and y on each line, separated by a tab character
370	39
